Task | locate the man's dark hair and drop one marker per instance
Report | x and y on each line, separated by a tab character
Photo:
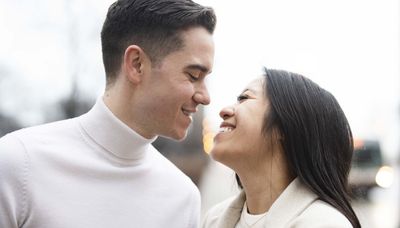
153	25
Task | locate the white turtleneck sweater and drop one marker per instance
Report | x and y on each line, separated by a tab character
91	172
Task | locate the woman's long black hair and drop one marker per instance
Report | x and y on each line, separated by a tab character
316	136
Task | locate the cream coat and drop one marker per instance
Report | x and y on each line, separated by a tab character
296	207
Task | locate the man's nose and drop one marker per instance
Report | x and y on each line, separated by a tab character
202	96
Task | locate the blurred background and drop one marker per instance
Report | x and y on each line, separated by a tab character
51	69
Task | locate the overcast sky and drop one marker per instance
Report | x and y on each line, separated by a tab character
349	47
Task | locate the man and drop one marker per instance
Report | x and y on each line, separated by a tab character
99	169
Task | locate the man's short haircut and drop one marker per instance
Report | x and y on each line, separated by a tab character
153	25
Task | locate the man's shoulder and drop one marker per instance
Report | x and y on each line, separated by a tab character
20	144
13	160
52	129
9	146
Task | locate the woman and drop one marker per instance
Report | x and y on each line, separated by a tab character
291	146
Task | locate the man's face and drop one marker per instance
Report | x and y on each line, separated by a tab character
175	87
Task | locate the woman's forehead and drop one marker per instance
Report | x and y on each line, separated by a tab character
255	85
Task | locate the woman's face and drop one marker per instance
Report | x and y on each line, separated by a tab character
240	140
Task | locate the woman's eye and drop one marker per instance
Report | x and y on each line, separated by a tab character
242	97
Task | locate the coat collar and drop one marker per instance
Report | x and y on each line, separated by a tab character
232	214
293	200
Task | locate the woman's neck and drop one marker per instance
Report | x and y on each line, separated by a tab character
263	188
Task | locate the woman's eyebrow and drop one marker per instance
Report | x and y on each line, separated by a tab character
250	90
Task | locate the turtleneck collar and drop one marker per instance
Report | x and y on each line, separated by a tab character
112	134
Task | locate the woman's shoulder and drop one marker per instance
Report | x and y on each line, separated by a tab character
321	214
229	209
221	207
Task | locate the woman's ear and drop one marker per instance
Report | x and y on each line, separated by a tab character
277	135
133	63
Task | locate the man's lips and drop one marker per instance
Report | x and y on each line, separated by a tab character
188	112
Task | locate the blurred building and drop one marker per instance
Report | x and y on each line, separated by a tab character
8	124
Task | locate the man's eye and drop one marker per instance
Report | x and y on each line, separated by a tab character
242	97
192	77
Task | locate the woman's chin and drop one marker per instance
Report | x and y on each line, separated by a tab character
216	154
219	155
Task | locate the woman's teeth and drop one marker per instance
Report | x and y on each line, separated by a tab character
225	129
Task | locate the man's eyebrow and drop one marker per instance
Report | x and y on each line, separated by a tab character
198	67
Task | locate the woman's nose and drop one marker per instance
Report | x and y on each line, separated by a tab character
227	112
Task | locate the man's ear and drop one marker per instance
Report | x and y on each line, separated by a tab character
133	63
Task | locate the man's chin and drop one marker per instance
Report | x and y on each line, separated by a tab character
178	136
